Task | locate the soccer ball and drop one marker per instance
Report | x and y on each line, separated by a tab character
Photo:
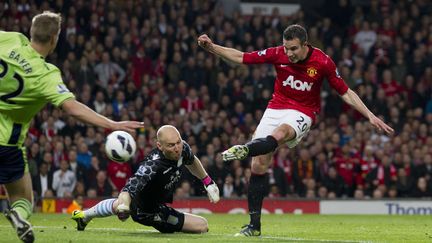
120	146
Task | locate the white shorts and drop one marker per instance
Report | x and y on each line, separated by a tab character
272	118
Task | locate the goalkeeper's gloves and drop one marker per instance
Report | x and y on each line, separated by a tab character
123	212
212	189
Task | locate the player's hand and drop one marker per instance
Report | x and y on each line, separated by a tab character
128	126
123	212
380	125
205	42
213	192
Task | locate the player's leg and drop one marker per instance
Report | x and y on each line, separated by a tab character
258	183
16	177
280	124
258	189
194	224
103	209
270	133
168	220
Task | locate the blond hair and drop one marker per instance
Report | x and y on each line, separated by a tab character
44	26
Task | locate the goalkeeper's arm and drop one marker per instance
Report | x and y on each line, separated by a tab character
198	170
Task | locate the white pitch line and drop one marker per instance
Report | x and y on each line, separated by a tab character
214	234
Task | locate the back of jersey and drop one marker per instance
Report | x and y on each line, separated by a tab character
27	83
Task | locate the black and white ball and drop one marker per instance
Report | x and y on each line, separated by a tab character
120	146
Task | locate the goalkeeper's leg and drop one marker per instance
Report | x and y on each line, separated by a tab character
102	209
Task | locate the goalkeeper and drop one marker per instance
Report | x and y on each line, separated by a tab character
145	194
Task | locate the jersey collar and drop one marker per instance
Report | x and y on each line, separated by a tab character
308	54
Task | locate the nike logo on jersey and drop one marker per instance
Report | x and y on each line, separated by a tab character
297	84
262	53
282	65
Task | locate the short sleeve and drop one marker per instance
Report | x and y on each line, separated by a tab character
53	89
145	173
268	55
334	78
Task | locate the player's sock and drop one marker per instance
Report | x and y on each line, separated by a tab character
23	207
262	146
258	188
100	210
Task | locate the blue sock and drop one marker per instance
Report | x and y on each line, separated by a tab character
100	210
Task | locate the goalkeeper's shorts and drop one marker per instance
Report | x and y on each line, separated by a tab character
163	218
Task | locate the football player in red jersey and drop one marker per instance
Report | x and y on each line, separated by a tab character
300	72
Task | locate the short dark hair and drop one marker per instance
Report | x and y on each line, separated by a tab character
295	31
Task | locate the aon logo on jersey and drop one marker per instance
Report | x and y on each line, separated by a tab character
297	84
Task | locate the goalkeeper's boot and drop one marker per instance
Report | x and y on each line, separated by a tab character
78	216
239	152
23	228
248	231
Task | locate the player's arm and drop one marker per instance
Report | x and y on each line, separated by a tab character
230	54
122	205
351	98
133	186
140	179
198	171
87	115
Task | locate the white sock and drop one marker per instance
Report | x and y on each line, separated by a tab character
100	210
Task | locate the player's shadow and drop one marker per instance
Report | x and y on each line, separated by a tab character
155	234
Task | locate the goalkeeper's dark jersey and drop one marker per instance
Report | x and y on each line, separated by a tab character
157	177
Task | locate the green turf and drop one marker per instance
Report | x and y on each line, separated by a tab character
276	228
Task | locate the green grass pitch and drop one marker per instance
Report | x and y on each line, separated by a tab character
276	228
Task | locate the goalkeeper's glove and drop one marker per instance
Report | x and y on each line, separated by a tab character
212	189
123	212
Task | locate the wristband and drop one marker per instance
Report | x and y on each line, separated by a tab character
207	180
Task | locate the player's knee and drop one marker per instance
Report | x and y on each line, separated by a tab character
202	226
260	164
284	133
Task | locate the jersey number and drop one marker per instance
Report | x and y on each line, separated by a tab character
301	127
17	77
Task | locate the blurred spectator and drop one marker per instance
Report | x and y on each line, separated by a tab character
405	183
423	188
191	102
43	181
384	174
84	155
365	38
64	180
118	174
303	169
228	187
334	182
101	185
108	72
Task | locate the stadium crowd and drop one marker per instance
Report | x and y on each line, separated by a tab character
139	60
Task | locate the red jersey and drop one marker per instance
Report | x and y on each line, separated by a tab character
119	173
298	85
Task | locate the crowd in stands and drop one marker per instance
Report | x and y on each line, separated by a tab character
139	60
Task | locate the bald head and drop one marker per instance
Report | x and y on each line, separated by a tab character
167	132
169	142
